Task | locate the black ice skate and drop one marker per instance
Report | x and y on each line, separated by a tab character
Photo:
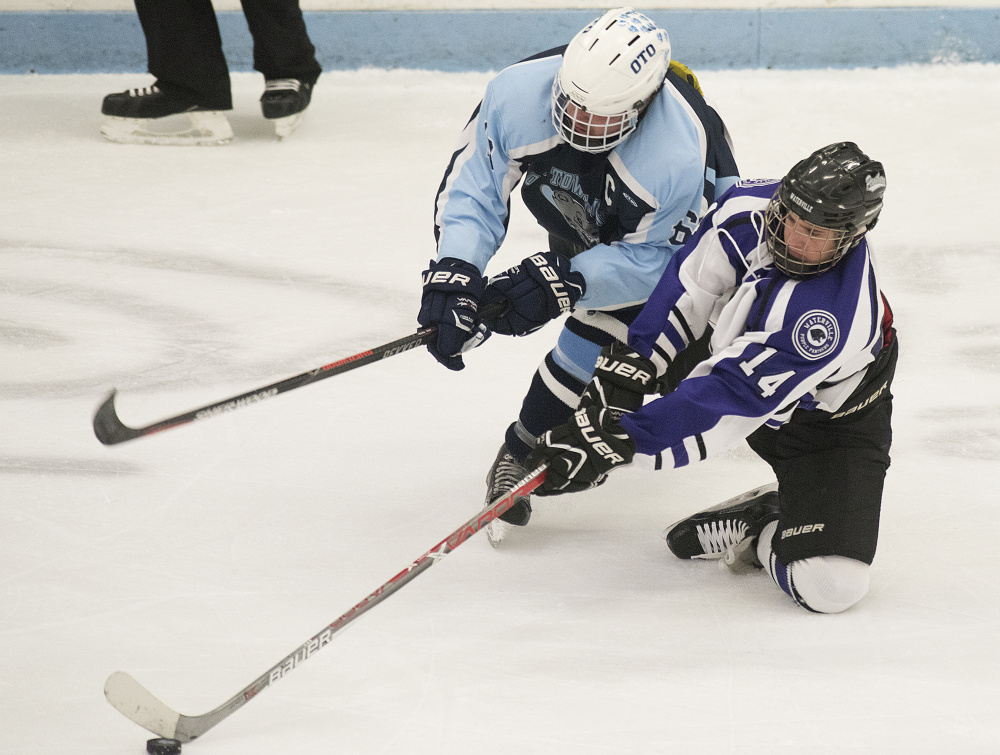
728	530
505	473
284	101
151	116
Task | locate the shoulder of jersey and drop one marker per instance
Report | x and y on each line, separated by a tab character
518	88
762	188
751	183
541	67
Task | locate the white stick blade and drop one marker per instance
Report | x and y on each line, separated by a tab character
136	703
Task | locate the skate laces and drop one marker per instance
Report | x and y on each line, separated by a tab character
144	91
504	475
718	539
507	473
281	85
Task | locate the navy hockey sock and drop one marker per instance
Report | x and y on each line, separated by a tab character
517	446
551	400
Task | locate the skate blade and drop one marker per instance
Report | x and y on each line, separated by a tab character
496	531
285	126
203	128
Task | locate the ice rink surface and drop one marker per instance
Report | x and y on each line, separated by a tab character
197	558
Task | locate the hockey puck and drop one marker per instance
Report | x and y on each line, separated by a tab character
163	746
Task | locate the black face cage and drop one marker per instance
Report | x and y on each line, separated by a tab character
785	259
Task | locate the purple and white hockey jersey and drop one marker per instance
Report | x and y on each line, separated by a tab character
778	344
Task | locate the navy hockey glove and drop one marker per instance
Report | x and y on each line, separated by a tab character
452	288
581	452
622	379
540	289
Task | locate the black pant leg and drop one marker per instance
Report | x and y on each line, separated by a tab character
184	50
831	471
281	45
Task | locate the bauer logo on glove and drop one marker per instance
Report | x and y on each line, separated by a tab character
557	287
581	452
622	379
597	443
540	289
450	303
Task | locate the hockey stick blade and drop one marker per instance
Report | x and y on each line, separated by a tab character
108	428
138	705
134	700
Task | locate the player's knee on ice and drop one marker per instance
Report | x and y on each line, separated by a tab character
824	584
829	584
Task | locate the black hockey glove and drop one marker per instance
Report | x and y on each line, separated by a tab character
452	288
622	379
540	289
581	452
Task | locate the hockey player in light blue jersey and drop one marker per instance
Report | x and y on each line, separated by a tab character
618	155
803	354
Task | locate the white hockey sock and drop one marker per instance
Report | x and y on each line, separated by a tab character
824	584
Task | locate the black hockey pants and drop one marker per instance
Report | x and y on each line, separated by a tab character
831	470
185	48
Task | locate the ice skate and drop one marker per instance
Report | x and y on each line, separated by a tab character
505	473
150	116
727	531
284	102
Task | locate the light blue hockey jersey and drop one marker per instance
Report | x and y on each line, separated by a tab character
630	208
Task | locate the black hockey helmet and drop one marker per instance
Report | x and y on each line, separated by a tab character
837	188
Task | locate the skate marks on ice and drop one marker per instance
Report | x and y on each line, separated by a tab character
978	345
968	426
964	432
77	322
949	348
65	466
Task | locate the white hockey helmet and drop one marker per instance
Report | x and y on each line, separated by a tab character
611	71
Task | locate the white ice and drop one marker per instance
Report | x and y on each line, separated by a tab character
196	558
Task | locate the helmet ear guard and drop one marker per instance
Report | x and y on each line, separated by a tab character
835	196
611	71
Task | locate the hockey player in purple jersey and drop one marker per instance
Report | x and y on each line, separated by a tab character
803	353
618	155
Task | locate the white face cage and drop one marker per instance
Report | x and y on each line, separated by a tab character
587	131
802	249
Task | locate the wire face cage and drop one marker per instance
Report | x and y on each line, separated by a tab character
588	131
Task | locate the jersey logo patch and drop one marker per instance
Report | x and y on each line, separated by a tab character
747	182
816	334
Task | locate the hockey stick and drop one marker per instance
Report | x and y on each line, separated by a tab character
110	430
139	706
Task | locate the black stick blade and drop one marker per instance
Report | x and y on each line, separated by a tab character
107	427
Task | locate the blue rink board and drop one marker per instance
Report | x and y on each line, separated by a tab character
112	42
